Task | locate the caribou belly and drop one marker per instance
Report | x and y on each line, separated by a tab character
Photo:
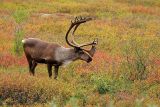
65	63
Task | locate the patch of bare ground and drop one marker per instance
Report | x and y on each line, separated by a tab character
53	15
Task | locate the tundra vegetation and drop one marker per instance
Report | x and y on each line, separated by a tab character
125	70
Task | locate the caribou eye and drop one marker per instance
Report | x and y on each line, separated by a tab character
81	52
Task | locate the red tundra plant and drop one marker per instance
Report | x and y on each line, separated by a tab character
7	60
22	61
101	60
153	77
146	10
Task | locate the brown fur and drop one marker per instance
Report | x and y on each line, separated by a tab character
36	52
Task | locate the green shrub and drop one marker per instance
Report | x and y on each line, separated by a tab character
108	84
20	15
73	102
138	58
18	42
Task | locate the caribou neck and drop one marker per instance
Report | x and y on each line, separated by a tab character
66	54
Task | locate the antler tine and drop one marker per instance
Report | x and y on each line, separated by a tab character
80	19
95	42
76	19
71	21
86	44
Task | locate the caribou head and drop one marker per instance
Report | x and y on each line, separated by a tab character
83	54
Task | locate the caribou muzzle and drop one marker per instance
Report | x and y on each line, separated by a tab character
89	60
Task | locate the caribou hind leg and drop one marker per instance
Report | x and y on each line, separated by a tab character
34	64
29	60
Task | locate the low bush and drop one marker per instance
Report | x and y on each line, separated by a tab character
16	88
20	15
108	84
138	57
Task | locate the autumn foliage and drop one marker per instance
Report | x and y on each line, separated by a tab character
125	71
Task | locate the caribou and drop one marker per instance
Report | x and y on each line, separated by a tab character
52	54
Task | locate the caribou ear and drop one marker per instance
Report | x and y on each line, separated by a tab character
92	50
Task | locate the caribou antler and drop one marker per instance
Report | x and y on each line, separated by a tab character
85	44
77	21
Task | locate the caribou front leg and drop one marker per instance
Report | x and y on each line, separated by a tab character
49	66
56	71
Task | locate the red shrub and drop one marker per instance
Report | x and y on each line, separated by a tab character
100	60
7	60
146	10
